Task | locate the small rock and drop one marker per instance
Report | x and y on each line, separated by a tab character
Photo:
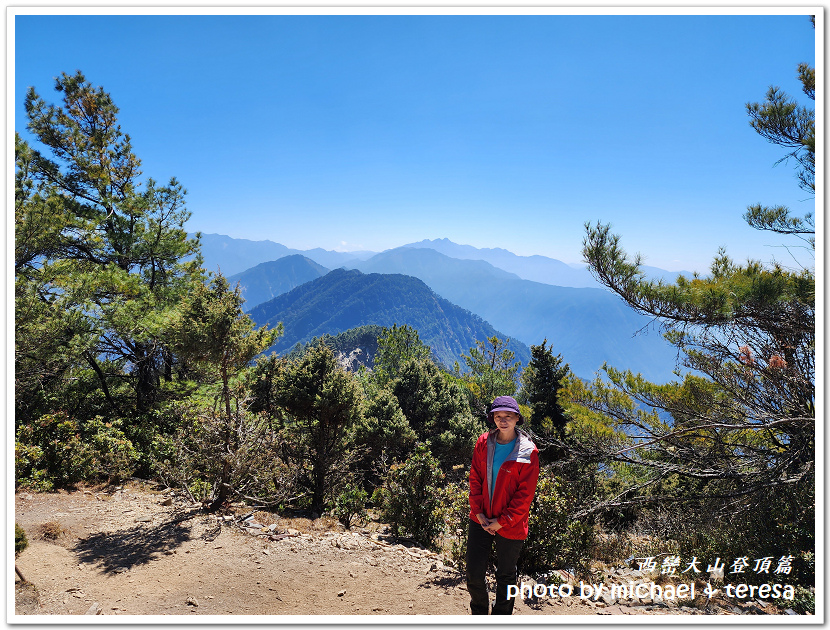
341	593
95	609
167	501
191	601
790	611
144	519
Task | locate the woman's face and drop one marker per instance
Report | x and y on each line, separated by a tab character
506	421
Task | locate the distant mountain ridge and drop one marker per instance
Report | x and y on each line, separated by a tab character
269	279
346	299
234	255
587	326
537	268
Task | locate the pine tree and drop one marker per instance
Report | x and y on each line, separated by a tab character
212	332
741	422
101	257
322	402
542	380
492	372
781	121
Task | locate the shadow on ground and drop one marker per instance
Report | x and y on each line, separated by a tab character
120	551
445	582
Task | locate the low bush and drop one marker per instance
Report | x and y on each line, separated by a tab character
20	540
350	504
555	538
409	499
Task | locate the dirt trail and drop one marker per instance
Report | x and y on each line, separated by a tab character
134	551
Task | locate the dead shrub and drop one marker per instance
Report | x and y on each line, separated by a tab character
51	530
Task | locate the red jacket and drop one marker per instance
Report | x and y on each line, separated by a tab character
514	488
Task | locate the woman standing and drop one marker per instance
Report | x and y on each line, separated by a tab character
503	479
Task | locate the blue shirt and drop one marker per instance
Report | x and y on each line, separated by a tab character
502	451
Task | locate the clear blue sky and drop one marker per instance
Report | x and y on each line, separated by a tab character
369	132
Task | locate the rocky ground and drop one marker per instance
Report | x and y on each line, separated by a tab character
133	550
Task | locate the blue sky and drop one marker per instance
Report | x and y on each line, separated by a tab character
369	132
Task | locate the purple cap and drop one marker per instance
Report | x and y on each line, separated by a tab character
505	403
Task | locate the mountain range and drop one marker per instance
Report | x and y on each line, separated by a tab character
234	255
587	326
536	268
345	299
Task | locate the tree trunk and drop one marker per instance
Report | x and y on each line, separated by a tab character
224	481
101	377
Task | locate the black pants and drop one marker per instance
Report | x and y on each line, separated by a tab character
479	544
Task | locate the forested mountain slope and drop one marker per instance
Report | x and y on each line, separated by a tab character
345	299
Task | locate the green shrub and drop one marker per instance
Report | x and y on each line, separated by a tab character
454	447
804	602
201	490
382	431
350	504
56	450
555	538
50	452
113	455
20	540
410	497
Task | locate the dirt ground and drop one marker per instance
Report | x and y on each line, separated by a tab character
133	550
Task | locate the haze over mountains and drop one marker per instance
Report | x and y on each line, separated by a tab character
587	326
234	255
536	268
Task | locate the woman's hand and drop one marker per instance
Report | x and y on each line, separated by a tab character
493	526
490	525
